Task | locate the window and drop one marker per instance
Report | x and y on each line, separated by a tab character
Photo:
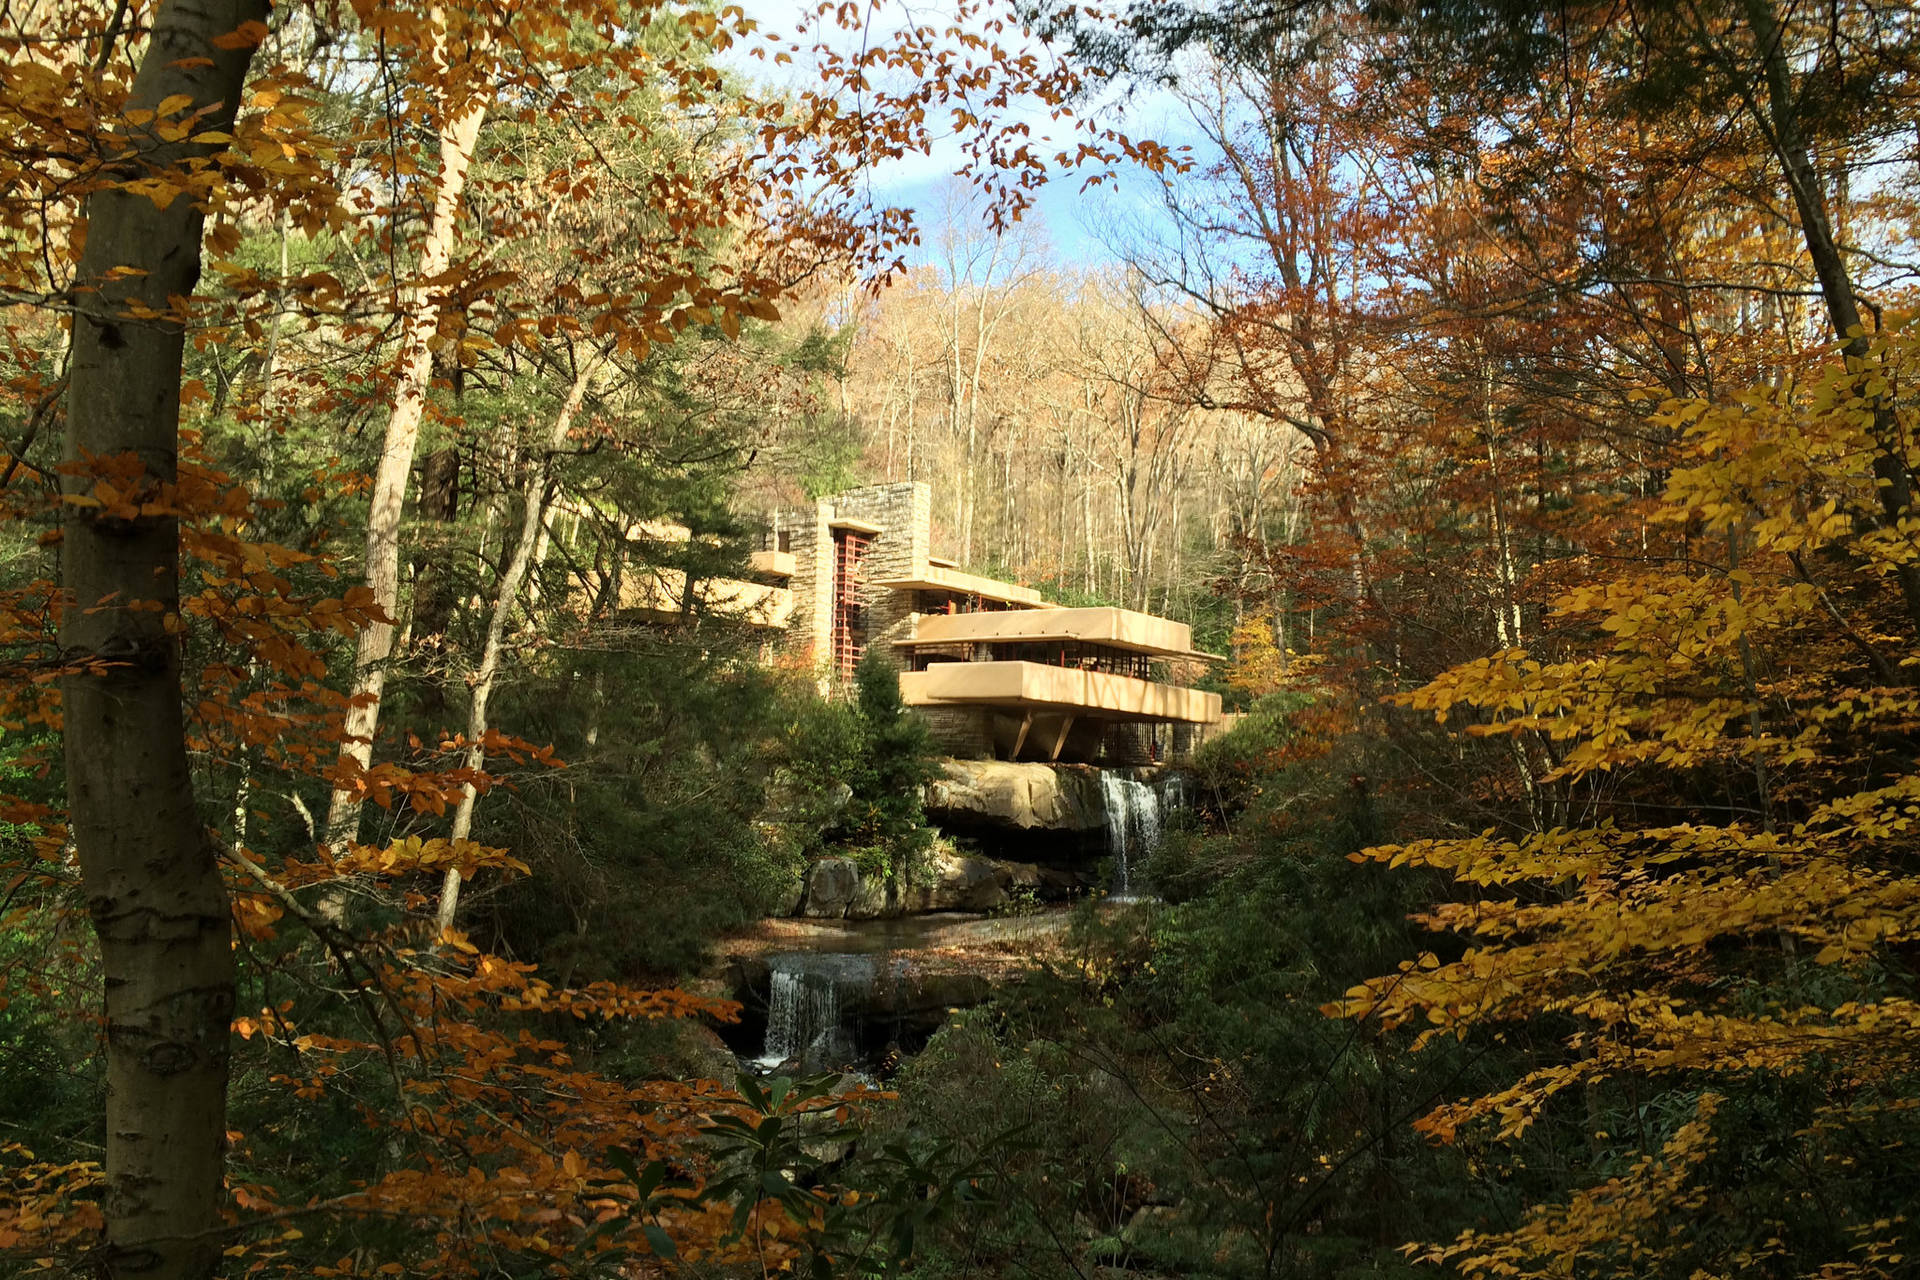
849	635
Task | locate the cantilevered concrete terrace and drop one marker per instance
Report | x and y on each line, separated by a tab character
662	593
944	581
658	592
1037	687
1050	680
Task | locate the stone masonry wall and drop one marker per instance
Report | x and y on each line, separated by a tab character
961	732
1126	744
904	515
812	584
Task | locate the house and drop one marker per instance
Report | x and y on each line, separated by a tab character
991	667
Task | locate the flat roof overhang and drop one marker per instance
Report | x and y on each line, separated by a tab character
1115	628
857	526
936	578
660	591
1034	686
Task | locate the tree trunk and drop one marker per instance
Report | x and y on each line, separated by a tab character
1780	121
913	412
433	586
504	602
149	867
457	139
1086	521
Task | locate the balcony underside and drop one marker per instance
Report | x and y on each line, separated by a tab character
1032	686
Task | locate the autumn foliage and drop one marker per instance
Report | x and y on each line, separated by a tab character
1742	948
1523	393
344	208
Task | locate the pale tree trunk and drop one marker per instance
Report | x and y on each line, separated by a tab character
506	599
422	319
540	551
970	476
1174	555
148	865
1086	522
913	411
269	401
893	421
1064	514
1506	610
1138	503
953	410
1012	537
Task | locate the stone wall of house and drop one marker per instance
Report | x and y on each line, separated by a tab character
1126	744
961	732
904	514
811	542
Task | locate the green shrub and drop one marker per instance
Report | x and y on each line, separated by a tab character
856	774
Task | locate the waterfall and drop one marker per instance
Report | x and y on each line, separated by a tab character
808	996
1174	795
1133	825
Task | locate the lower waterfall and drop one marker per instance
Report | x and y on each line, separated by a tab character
808	998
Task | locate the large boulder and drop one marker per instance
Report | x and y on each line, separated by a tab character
835	889
962	883
872	901
919	996
832	886
696	1052
1013	796
956	882
793	892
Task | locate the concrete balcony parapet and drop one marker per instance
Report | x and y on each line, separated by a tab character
661	592
1036	686
774	564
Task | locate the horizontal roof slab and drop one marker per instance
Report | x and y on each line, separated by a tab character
858	526
1114	628
935	578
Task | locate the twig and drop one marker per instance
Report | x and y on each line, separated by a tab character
34	421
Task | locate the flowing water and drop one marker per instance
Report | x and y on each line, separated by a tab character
1133	825
1173	793
821	994
806	1001
842	994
